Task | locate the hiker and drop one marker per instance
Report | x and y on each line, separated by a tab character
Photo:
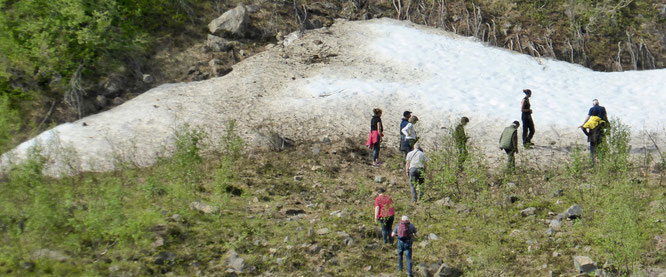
406	233
415	169
528	124
410	133
595	123
460	139
509	143
384	213
405	120
376	134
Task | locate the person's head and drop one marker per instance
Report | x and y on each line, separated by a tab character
404	218
417	146
527	92
413	119
464	120
381	190
407	114
516	123
377	111
595	102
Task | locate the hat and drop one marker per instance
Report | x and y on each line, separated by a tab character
516	123
527	91
404	217
406	113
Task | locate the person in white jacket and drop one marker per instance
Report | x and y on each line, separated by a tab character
410	133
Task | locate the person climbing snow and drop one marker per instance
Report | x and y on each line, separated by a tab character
376	134
406	232
526	117
594	127
509	143
410	133
405	120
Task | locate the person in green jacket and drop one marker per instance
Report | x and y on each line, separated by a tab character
509	143
460	139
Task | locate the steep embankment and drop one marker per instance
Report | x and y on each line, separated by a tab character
325	82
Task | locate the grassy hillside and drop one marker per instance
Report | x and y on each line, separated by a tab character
308	211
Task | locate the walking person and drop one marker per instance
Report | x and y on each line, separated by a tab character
526	116
415	166
376	134
460	139
406	232
509	143
405	120
594	127
410	133
384	213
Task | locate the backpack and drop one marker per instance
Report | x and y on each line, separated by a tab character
596	134
506	140
404	233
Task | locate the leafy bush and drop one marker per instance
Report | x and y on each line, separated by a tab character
10	123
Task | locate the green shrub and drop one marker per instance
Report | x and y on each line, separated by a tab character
10	123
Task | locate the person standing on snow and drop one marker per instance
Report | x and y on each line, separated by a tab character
384	213
460	139
526	116
594	125
410	133
415	168
509	143
406	232
405	120
376	134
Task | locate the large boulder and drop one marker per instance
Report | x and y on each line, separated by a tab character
218	44
584	264
233	22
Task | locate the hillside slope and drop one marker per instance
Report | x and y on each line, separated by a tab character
325	82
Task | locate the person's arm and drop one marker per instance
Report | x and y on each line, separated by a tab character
407	167
416	232
405	130
380	129
514	141
586	119
376	213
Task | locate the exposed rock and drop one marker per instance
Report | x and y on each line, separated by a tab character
235	261
314	249
550	232
348	241
298	178
558	193
432	236
510	186
338	213
463	209
660	242
573	212
117	101
556	254
113	86
203	207
555	224
372	246
158	242
380	179
101	101
49	254
447	271
272	141
367	268
279	261
421	270
423	244
527	212
147	78
584	264
310	232
165	257
233	22
510	199
290	38
322	231
315	150
446	202
218	44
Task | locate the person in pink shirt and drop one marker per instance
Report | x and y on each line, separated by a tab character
384	213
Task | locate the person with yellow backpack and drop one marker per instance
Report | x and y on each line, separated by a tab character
594	126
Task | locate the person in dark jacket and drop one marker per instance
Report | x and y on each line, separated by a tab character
405	119
526	116
509	143
595	132
460	139
406	232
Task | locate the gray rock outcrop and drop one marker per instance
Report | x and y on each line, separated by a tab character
233	22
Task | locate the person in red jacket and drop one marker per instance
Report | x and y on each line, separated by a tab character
384	213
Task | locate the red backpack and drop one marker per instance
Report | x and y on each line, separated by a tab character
404	233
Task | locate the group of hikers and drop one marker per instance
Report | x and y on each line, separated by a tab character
415	159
